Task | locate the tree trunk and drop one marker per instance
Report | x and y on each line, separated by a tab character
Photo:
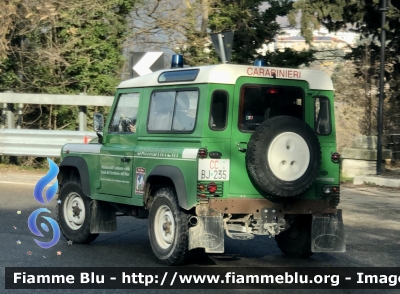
204	16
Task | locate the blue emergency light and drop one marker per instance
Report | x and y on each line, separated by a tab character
259	62
177	61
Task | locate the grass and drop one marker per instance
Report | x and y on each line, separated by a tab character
24	163
9	166
371	184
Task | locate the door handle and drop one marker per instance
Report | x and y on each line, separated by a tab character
125	159
240	144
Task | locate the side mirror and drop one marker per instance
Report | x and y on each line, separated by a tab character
98	122
98	125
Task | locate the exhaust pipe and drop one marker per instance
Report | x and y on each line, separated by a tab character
193	221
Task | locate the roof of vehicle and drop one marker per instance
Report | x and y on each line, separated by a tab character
229	73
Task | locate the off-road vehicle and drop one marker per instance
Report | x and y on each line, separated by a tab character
200	151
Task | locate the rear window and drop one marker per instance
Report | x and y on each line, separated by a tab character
219	110
323	122
261	102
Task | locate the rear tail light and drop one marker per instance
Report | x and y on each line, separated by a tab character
272	91
212	188
335	157
202	153
330	189
335	190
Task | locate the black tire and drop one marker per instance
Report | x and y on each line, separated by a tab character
296	241
73	213
168	228
286	170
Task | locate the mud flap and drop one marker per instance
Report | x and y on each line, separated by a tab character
208	233
103	218
327	233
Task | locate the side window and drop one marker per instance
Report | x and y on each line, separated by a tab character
161	111
219	110
323	122
185	111
173	111
125	114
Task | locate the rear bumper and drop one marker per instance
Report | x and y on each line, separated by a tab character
256	206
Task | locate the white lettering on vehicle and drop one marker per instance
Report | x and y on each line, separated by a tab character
270	72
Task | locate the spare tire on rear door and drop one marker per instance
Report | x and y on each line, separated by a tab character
283	156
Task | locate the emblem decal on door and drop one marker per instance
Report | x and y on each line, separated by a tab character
140	180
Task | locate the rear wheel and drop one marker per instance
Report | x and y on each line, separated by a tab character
296	241
73	213
168	228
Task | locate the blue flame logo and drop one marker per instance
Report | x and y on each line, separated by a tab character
34	229
45	199
43	182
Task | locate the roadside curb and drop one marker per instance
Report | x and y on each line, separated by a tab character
377	180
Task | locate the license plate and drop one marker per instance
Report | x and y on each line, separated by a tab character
213	170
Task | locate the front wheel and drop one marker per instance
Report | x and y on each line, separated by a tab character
168	228
296	241
73	214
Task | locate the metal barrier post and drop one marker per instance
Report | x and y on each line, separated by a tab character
82	116
3	115
11	125
10	116
19	121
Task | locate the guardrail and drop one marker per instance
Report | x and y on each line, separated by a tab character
8	99
15	141
39	143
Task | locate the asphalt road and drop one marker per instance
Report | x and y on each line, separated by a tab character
371	216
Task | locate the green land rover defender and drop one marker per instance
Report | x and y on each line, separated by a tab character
200	151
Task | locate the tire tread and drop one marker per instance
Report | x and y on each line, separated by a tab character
300	247
181	251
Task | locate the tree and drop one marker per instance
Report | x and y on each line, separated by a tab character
253	28
177	25
365	19
62	47
158	24
165	25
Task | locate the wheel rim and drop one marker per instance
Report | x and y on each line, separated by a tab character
288	156
74	211
164	227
